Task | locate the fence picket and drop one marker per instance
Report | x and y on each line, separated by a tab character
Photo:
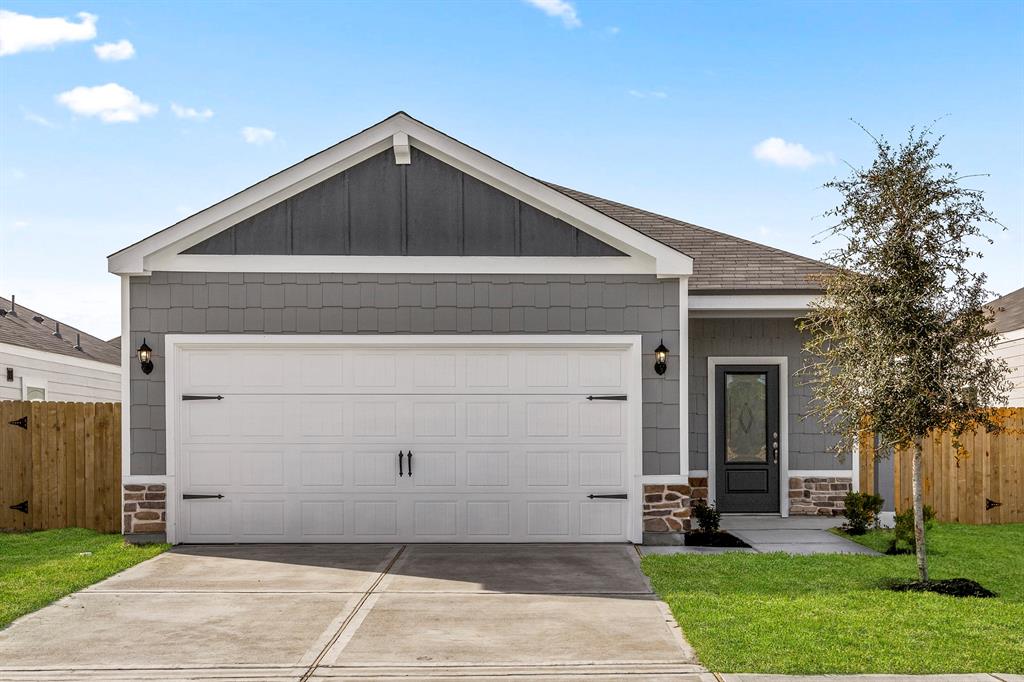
67	465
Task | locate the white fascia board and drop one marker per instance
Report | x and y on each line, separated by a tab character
249	202
161	250
467	265
669	262
752	303
69	360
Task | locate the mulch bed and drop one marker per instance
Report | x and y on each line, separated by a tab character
719	539
953	587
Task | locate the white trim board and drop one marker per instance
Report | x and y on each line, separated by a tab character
175	343
161	250
783	364
70	360
750	305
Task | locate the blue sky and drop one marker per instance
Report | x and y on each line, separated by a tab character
660	105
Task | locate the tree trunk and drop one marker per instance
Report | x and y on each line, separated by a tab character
922	558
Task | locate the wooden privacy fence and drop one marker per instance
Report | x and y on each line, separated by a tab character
983	484
60	465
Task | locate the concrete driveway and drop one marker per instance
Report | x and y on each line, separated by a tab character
297	612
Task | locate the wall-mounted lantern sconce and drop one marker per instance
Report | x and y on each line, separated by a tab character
661	358
146	357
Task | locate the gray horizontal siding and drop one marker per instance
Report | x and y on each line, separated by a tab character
809	446
426	208
169	302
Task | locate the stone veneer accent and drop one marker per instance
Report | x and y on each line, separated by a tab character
667	506
817	495
145	508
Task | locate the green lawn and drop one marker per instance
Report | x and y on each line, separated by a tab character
38	568
774	613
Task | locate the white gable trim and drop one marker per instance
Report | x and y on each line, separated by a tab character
162	250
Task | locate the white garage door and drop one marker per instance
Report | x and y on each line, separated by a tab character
312	444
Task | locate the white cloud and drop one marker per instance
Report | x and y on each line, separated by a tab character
24	32
111	102
258	135
190	113
559	8
613	30
115	52
788	154
648	94
33	117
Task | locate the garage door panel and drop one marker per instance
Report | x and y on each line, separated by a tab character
488	468
305	447
434	419
601	419
433	468
375	418
374	467
262	518
322	520
323	467
378	518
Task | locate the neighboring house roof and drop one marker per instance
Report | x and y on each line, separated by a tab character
725	263
720	261
1008	311
22	330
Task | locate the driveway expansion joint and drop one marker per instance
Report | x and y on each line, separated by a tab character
351	616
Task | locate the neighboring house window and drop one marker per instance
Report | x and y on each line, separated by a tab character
33	389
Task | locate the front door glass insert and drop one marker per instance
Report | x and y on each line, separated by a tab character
746	417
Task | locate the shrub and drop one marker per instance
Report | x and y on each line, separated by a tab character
708	517
904	530
861	512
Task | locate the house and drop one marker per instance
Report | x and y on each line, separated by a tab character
45	359
401	338
1009	323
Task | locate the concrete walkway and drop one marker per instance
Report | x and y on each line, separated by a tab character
300	612
794	535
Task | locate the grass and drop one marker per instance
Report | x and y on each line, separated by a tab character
826	613
40	567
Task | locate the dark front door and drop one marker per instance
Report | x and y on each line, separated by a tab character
747	438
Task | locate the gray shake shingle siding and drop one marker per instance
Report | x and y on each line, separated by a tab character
170	302
809	447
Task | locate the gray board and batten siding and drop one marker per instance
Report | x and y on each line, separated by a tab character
274	303
380	208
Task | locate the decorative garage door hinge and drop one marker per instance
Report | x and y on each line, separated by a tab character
23	422
617	496
202	397
192	496
21	506
607	397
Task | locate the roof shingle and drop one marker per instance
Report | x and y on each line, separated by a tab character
22	330
721	262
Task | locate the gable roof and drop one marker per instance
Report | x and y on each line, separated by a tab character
162	250
22	330
721	261
1008	311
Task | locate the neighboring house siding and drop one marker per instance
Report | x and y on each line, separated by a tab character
405	304
809	446
1011	349
64	381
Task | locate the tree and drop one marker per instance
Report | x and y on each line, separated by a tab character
899	340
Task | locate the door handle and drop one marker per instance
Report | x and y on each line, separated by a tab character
775	447
400	455
410	463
